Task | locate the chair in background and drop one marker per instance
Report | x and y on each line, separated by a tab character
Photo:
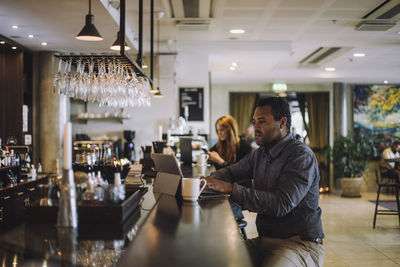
242	225
237	211
383	181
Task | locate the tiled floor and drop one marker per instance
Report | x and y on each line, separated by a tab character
350	239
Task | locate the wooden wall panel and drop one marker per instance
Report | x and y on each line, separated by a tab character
11	94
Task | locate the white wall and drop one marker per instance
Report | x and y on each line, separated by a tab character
192	71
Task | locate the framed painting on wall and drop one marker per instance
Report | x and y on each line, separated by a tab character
377	112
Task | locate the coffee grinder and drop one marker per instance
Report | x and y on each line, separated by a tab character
129	148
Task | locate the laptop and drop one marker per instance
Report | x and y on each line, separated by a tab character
169	176
166	163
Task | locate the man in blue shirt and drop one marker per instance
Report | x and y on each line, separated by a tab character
284	193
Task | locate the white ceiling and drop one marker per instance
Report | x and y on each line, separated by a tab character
279	34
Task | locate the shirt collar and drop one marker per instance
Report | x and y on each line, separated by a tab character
276	149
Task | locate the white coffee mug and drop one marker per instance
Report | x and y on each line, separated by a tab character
191	188
202	159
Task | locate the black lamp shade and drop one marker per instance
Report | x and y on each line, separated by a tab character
117	45
89	31
158	94
154	89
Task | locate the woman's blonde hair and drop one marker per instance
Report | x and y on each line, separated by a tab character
227	148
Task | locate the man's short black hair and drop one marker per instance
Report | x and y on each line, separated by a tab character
280	108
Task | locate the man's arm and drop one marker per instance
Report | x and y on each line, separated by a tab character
223	179
295	180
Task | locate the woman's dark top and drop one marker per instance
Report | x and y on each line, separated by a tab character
241	152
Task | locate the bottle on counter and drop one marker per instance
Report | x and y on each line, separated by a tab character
33	172
119	187
7	158
17	160
99	188
12	158
39	168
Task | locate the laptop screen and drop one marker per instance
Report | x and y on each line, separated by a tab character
166	163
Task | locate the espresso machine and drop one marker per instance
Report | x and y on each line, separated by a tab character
129	147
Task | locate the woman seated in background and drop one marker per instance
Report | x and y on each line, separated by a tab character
230	148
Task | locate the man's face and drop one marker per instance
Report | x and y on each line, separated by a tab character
268	132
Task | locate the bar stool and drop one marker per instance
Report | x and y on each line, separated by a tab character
390	183
242	225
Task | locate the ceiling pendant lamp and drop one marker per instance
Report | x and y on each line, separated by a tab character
117	45
158	94
154	89
89	31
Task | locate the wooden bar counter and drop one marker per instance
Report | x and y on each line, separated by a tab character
179	233
163	232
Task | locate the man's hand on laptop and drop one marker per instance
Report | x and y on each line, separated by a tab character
218	185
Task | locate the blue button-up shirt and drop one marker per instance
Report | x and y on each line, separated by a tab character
285	189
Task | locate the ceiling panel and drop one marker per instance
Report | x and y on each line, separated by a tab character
246	4
329	24
245	23
281	34
246	13
343	14
355	4
293	13
318	34
301	4
285	23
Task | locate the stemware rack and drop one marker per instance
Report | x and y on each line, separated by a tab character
123	60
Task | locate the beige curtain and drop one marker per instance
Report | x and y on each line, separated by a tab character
318	114
241	108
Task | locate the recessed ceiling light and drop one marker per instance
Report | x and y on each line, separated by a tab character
2	42
14	47
44	43
330	69
144	66
385	81
15	27
358	55
30	36
237	31
232	68
234	64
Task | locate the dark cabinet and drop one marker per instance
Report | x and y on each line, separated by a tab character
13	201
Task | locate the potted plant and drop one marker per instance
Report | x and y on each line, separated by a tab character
350	157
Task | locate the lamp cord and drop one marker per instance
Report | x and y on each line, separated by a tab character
158	52
90	7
